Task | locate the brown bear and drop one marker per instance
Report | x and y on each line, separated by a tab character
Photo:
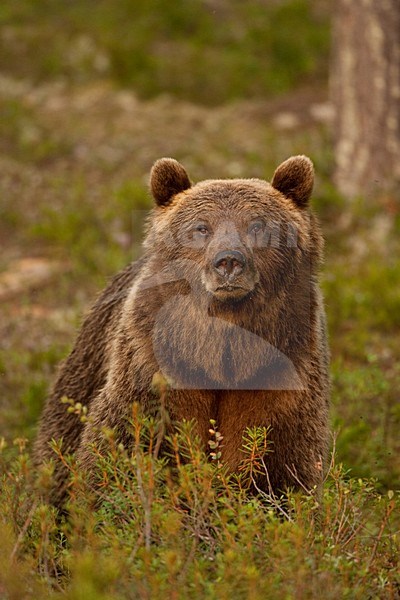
225	304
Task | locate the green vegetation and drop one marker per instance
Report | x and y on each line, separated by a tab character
76	147
191	531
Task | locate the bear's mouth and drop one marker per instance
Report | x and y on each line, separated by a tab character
230	292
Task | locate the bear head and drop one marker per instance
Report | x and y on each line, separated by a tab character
233	239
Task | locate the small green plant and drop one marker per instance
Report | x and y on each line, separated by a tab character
76	408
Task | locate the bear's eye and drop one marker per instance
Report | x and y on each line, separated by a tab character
200	235
202	229
256	227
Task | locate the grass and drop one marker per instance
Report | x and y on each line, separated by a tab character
75	152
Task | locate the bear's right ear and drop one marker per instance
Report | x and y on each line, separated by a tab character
167	178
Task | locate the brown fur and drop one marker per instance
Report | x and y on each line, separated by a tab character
247	348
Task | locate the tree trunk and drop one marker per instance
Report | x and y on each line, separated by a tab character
365	89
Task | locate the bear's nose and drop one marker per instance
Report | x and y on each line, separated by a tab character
229	263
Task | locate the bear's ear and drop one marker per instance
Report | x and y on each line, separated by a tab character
167	178
295	179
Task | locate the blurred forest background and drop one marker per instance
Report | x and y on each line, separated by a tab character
91	93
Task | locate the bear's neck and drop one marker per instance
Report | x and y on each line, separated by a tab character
198	342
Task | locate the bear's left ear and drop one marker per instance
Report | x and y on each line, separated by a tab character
167	178
295	179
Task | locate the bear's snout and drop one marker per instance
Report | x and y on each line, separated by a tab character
230	273
229	264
